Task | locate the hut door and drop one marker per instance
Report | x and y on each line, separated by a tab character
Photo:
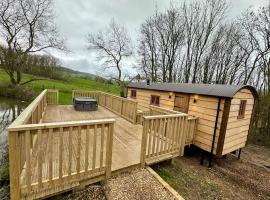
181	102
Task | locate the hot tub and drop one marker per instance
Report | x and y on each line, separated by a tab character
85	104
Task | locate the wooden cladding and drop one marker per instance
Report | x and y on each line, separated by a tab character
155	100
242	109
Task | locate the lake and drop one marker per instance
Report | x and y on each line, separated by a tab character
9	110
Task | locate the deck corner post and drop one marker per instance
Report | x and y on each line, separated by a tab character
135	113
143	143
109	151
14	165
185	131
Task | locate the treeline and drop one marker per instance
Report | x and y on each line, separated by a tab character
45	66
196	43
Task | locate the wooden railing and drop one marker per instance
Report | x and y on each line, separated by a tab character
155	110
191	129
66	152
85	93
163	137
52	97
33	113
121	106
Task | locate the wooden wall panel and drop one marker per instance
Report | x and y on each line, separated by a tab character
237	129
144	96
205	109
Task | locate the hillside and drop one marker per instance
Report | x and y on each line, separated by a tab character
65	87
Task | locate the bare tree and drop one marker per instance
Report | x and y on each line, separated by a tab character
26	26
113	44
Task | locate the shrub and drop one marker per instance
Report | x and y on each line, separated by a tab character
17	92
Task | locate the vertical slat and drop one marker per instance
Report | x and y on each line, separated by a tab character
94	147
101	146
172	133
86	148
150	138
28	159
50	154
162	129
78	158
109	150
69	150
176	132
158	137
61	153
166	134
39	139
154	136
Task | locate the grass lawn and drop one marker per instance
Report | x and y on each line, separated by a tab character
65	88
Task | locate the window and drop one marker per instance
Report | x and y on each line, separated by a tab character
133	94
242	109
154	100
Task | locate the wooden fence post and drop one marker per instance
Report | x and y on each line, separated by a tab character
109	151
184	135
14	165
135	113
143	143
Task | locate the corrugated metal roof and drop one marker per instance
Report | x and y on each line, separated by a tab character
203	89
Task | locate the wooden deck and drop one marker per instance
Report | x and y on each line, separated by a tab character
54	148
126	141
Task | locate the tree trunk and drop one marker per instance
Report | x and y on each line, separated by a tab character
18	73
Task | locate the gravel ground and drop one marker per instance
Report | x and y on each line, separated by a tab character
92	192
136	185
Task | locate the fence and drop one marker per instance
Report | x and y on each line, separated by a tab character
121	106
163	137
46	158
191	129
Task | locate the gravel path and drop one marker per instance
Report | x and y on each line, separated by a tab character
92	192
136	185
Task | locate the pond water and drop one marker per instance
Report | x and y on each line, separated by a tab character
9	110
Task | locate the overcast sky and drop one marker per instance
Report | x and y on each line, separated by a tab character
75	19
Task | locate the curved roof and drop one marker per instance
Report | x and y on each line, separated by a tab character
203	89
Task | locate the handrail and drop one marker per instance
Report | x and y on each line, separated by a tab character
26	114
60	124
126	108
164	116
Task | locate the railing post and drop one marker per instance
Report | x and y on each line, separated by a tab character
143	143
109	151
14	165
185	126
135	113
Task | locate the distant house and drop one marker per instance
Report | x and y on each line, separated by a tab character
224	111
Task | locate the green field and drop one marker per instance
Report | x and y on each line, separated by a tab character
65	87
